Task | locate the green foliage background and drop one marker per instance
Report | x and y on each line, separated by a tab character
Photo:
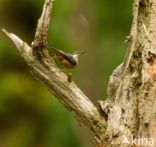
29	115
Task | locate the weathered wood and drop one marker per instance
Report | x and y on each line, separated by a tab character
132	87
129	113
37	58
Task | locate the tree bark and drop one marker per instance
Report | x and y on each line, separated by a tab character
58	83
129	112
131	105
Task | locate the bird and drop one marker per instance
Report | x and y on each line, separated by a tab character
67	59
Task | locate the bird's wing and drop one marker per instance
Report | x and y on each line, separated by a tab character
57	51
62	55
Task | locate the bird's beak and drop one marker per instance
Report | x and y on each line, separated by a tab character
82	52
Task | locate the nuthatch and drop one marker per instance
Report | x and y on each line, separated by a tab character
67	59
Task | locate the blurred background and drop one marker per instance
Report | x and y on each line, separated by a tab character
29	115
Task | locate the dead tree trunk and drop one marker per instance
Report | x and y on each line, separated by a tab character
131	105
129	112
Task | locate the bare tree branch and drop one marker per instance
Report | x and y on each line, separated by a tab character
53	77
40	41
131	104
